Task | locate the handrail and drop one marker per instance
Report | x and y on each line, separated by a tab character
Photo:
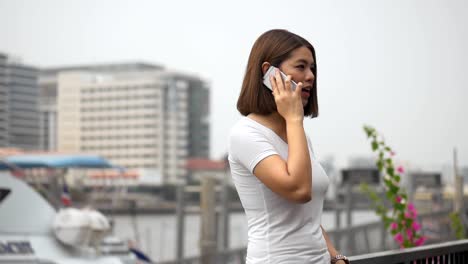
455	251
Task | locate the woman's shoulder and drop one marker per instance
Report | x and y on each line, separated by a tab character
247	132
247	127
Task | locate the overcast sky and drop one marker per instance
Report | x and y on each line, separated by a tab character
398	65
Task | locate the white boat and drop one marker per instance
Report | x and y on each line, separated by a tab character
27	230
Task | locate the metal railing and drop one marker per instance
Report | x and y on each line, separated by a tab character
454	252
354	240
372	237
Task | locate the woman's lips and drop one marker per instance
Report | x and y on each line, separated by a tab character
305	93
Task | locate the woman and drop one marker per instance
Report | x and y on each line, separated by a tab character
280	183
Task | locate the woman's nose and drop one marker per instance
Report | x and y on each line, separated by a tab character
310	77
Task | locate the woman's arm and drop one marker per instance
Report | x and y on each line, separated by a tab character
289	178
331	249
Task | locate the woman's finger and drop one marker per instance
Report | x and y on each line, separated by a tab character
279	81
299	88
274	87
288	83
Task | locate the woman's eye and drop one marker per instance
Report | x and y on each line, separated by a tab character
301	66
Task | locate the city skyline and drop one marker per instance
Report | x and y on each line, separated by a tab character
397	66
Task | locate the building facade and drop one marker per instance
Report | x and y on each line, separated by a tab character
19	113
137	116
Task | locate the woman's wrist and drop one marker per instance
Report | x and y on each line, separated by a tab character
339	259
294	121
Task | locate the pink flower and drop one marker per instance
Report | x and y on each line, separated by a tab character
420	241
393	226
409	234
416	226
400	169
399	238
408	215
398	199
412	209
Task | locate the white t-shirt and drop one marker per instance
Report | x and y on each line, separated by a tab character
279	231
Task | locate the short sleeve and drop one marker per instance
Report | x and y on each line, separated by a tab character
249	147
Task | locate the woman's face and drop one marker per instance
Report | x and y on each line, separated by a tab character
301	66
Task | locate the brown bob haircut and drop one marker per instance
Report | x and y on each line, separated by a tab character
274	46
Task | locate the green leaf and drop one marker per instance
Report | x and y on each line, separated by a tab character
387	182
389	195
401	216
381	209
368	131
394	189
409	222
397	178
387	220
388	149
380	165
406	243
400	207
390	171
389	162
375	145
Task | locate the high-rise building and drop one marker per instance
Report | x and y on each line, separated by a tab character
19	113
48	94
136	115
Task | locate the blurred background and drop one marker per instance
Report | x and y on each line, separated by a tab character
152	87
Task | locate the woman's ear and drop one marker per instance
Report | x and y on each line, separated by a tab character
265	67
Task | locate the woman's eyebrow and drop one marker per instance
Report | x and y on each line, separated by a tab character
305	61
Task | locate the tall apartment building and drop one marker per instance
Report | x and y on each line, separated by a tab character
19	114
136	115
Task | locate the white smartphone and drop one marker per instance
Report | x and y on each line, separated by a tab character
271	71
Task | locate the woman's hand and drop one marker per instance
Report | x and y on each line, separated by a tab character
288	102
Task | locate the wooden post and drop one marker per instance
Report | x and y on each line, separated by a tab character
55	190
180	215
349	205
349	217
458	184
383	235
208	221
337	237
133	209
225	212
411	187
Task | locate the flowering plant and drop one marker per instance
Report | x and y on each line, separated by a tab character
402	218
